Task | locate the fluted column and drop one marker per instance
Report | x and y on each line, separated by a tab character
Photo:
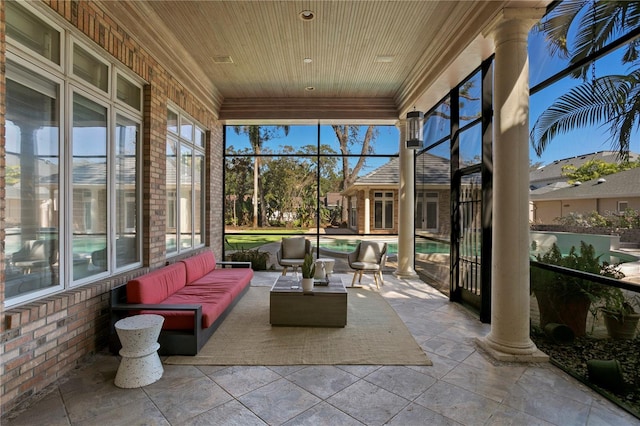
509	337
406	208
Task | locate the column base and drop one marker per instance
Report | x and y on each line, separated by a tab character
511	354
405	274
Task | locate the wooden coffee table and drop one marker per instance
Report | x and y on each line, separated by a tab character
326	306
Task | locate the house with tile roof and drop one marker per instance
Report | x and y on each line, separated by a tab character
373	198
551	174
611	194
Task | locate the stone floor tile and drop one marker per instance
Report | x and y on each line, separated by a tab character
401	380
359	370
415	414
244	379
604	413
448	348
368	403
491	382
554	381
230	413
322	380
507	416
142	412
441	366
551	407
188	398
457	403
279	401
51	412
323	414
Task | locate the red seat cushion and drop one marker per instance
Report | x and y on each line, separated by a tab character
235	279
213	302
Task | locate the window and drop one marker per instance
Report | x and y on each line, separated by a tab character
383	210
427	211
622	206
184	181
72	176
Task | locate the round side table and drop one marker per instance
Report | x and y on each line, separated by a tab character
140	365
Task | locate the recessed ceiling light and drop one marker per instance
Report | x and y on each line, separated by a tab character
307	15
222	60
309	88
307	60
384	59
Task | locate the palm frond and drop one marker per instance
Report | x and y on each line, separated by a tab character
584	105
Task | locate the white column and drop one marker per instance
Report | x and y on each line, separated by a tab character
509	337
406	207
367	211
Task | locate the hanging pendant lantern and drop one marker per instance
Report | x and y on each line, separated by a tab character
414	129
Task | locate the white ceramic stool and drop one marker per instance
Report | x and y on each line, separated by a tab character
328	267
140	365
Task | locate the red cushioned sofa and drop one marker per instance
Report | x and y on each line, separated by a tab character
197	287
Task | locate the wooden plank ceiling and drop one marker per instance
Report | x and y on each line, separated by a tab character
370	60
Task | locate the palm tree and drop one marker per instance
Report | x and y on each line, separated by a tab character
610	100
257	136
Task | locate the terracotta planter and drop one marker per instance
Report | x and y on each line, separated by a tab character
621	330
571	312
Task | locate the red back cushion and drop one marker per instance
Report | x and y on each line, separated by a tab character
157	285
199	265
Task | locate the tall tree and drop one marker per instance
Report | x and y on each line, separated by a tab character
257	136
349	136
610	100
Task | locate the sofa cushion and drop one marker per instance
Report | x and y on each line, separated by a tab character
293	248
234	279
214	301
370	252
158	285
199	265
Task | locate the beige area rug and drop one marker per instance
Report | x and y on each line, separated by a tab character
374	335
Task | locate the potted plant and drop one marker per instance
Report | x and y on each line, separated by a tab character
257	258
620	314
564	299
308	271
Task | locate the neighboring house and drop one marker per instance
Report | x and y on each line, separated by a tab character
552	173
611	194
373	198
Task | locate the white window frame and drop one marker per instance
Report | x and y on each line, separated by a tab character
385	197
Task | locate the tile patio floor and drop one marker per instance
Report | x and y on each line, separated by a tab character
463	387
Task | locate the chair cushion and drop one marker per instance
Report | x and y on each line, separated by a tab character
199	265
370	252
293	248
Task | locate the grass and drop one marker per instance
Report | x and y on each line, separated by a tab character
250	239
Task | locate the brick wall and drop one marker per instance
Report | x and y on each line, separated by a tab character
43	340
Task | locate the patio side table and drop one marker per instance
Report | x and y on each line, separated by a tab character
140	365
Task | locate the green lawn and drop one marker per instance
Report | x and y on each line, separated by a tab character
248	240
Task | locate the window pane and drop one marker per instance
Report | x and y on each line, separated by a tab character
171	185
89	171
388	214
90	69
126	182
128	92
360	140
198	198
199	138
32	32
378	211
172	121
470	98
31	177
471	146
437	123
186	129
186	197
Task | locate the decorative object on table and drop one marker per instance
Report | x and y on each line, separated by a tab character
308	271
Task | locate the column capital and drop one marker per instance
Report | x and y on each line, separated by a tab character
524	18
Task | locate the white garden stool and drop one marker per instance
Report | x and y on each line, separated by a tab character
140	365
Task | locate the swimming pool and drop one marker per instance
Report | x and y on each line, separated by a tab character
422	246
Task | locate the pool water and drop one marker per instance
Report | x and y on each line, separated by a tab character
422	247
